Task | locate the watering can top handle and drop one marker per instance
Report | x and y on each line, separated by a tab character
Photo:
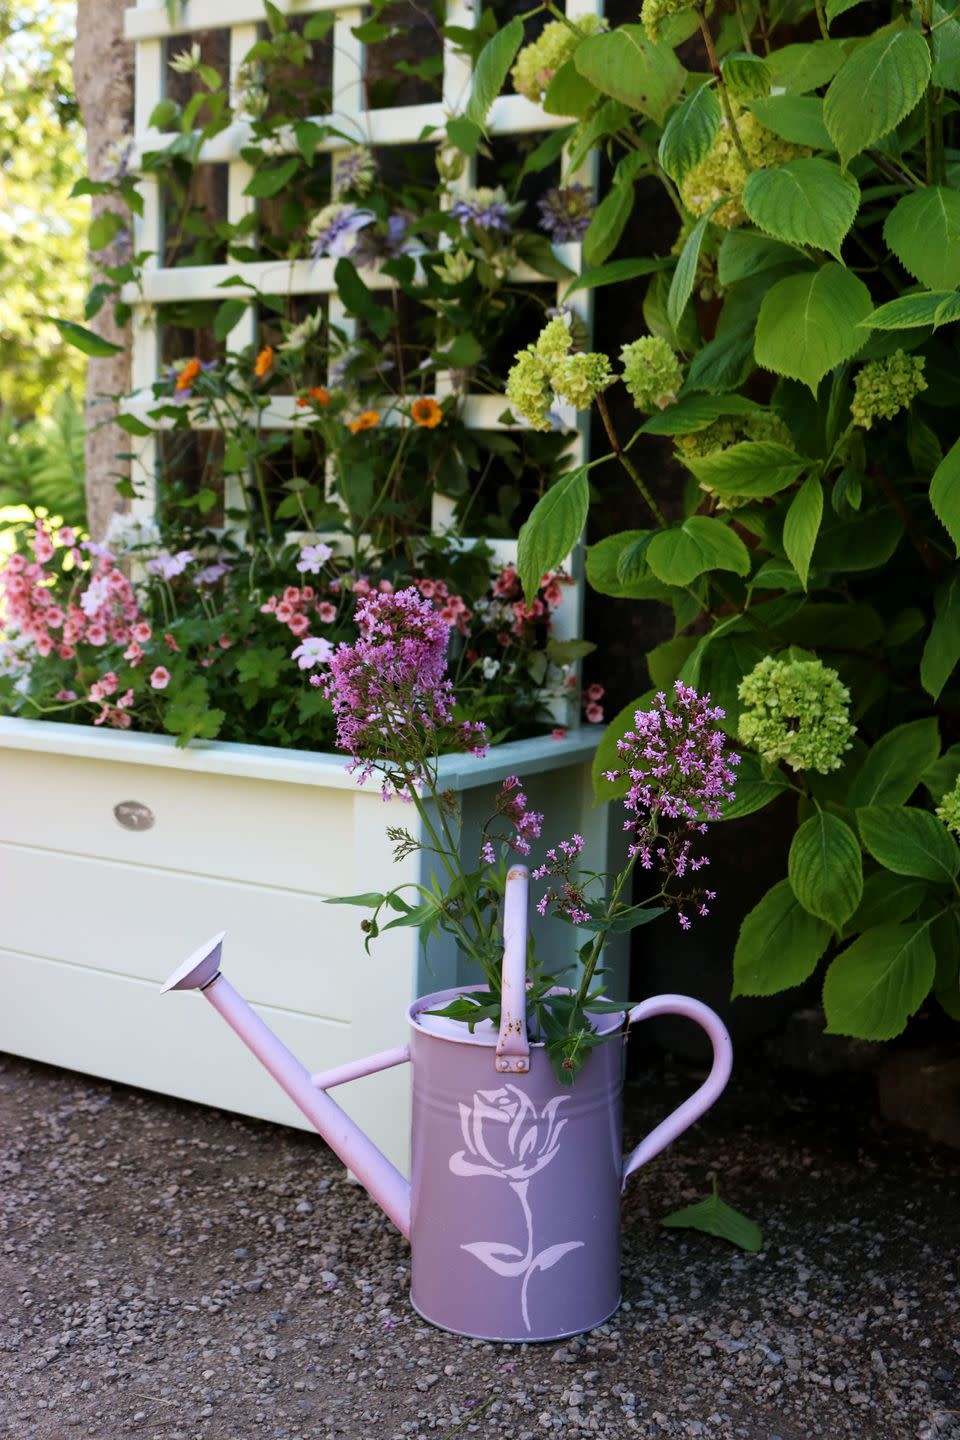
701	1100
513	1050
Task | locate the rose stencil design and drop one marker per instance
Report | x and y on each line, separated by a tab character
508	1139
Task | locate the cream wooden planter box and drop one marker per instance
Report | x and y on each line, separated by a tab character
244	838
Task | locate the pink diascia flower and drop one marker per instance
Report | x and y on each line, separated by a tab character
160	678
391	697
313	651
313	558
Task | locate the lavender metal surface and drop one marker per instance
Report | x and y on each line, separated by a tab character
513	1207
516	1180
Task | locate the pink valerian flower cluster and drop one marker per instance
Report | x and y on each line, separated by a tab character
512	806
680	778
391	698
569	895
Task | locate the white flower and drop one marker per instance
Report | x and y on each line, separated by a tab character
312	651
490	667
313	558
168	566
187	61
96	595
131	532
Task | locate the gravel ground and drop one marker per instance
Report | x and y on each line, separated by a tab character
175	1272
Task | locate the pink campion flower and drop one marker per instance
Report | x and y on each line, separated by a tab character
314	650
125	700
160	678
593	713
298	625
594	692
559	732
680	778
133	653
391	697
327	612
67	536
41	544
141	633
97	635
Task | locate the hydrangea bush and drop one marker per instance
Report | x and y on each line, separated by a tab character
796	348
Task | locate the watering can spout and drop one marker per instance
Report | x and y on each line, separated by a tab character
378	1176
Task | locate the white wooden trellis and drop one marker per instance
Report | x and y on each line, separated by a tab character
151	26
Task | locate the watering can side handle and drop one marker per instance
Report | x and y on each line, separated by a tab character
513	1049
700	1101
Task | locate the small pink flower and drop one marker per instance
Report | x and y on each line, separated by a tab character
327	612
291	595
595	692
65	695
142	632
224	642
160	678
97	635
594	714
284	612
44	644
133	653
125	700
66	652
299	625
66	536
559	732
171	643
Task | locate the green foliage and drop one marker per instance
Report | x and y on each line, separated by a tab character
554	527
41	461
43	259
715	1217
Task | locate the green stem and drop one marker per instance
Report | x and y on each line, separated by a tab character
822	20
590	965
627	463
722	90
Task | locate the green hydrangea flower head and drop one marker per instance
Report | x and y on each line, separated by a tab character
578	379
539	61
883	387
528	389
653	13
721	174
720	434
554	342
651	372
949	809
796	711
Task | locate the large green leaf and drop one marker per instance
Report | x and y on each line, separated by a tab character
941	653
490	71
802	525
82	339
887	900
861	541
909	841
604	570
626	64
910	312
569	93
895	765
779	944
614	273
806	202
696	412
755	468
689	132
808	323
923	231
797	69
945	493
825	868
553	528
874	986
744	253
878	85
757	785
678	555
685	275
607	224
715	1217
264	184
797	118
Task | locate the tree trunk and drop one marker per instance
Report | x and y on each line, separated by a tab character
103	74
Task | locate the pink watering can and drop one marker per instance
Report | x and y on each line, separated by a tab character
513	1207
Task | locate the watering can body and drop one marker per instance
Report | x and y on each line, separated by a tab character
513	1207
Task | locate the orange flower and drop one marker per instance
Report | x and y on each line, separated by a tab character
264	362
316	396
366	421
426	413
188	374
